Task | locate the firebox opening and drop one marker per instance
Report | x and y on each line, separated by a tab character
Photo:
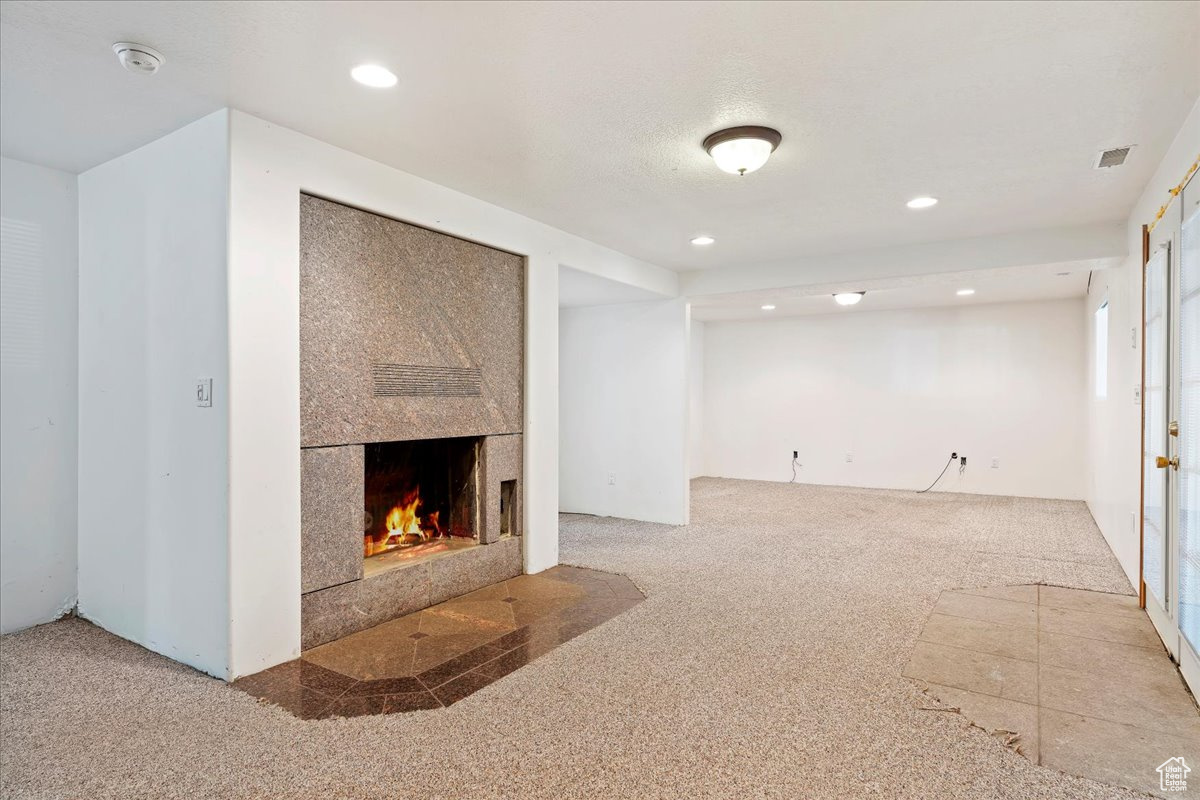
420	499
507	488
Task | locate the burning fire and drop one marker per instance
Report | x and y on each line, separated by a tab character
403	518
405	527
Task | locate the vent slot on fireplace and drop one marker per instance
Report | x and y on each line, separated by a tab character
413	380
507	488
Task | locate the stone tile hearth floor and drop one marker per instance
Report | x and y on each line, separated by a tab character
436	657
1071	679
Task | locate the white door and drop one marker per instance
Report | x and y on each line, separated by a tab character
1171	434
1186	539
1157	459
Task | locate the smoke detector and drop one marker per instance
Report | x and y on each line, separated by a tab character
138	57
1113	158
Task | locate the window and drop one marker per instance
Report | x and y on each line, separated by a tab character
1101	348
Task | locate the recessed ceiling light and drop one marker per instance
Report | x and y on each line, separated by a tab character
741	150
373	75
768	308
703	240
848	298
965	292
922	202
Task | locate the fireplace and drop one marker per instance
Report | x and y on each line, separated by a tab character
421	499
411	417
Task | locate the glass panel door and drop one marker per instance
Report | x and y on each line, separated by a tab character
1154	443
1189	423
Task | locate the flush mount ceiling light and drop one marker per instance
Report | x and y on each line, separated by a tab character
741	150
965	292
138	57
703	241
768	307
848	298
922	202
373	75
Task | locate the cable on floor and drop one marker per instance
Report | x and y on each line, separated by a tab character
939	477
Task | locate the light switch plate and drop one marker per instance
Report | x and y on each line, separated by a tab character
1137	394
204	392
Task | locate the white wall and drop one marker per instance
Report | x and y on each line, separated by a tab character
153	467
696	457
270	167
623	400
1114	424
39	275
900	390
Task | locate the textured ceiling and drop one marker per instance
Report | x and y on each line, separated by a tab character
589	116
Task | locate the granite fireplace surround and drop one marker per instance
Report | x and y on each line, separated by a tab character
405	334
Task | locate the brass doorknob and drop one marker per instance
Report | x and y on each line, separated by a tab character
1162	462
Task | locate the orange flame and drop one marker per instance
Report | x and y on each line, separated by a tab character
403	518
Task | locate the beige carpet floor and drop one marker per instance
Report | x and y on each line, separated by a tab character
765	662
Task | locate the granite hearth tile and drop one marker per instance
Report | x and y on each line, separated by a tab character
516	658
357	705
327	681
331	516
385	651
403	685
411	701
298	700
448	670
462	686
463	648
440	649
379	291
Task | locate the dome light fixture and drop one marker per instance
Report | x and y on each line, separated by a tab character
768	307
848	298
373	75
965	292
703	241
743	149
922	202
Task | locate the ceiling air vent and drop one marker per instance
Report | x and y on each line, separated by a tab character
1113	158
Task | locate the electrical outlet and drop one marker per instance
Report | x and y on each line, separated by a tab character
849	457
612	479
204	392
995	463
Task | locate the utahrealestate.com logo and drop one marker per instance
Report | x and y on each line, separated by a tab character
1172	775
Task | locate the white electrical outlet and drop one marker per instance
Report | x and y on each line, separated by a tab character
849	457
612	479
996	463
204	392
